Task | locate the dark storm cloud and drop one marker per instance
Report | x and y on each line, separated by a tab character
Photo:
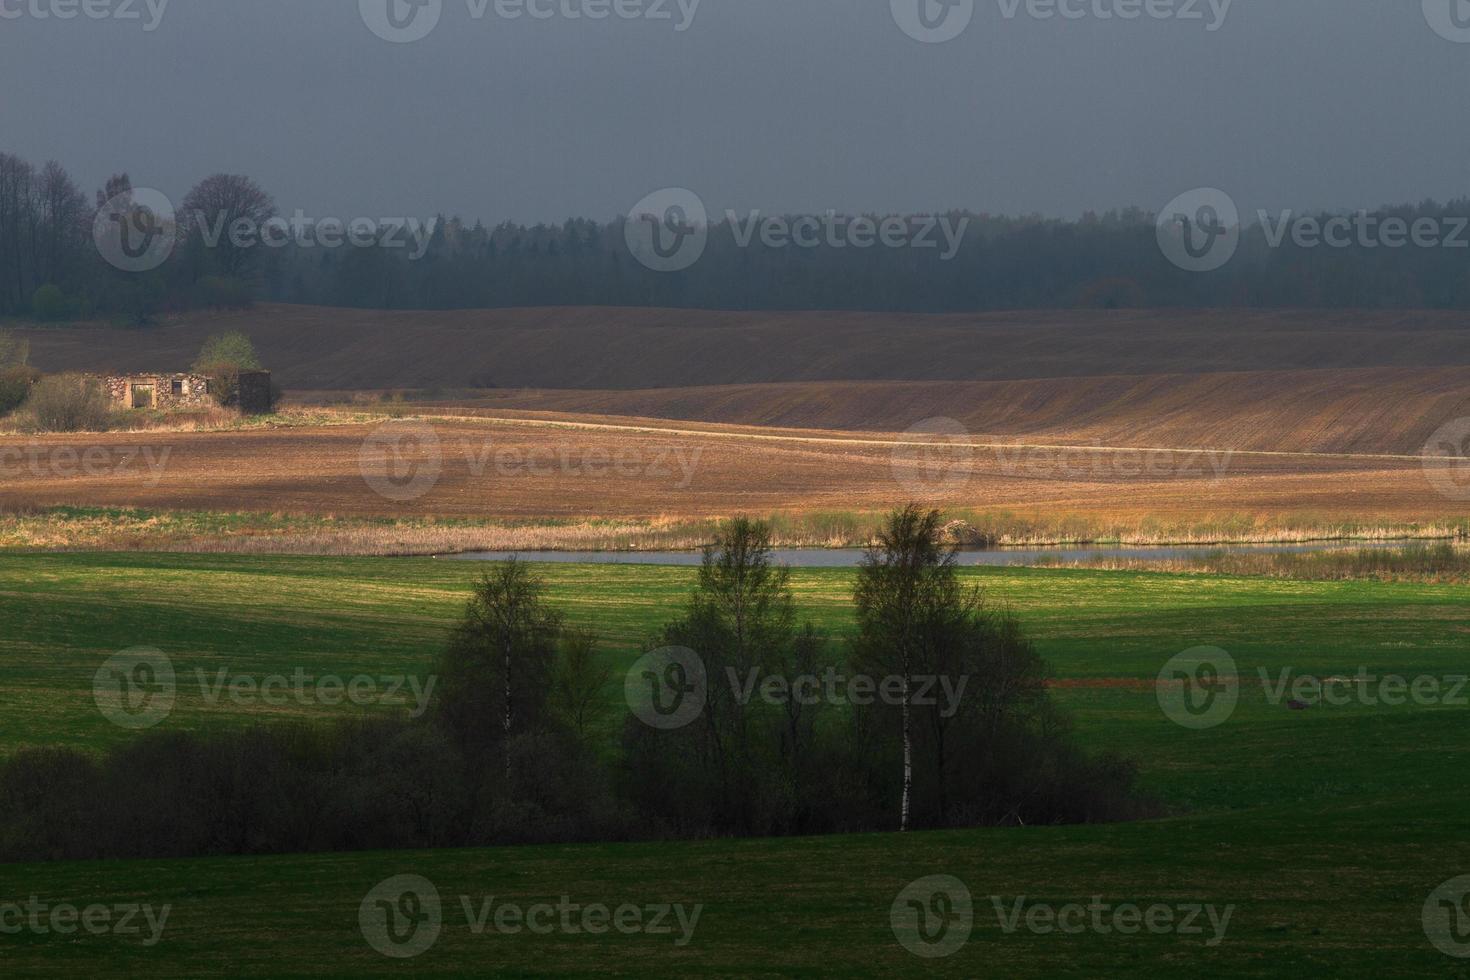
497	111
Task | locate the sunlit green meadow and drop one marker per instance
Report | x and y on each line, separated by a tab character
1326	828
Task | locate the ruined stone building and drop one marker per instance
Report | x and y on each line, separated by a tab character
248	392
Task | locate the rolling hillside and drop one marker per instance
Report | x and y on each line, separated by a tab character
535	470
1327	382
1383	410
318	348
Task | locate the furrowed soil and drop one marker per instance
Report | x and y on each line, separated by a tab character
1188	419
523	468
628	348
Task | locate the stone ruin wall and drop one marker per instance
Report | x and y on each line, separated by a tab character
194	391
254	391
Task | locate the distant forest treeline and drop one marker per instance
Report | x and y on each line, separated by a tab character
51	269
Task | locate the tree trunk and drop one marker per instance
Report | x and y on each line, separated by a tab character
908	756
943	777
507	709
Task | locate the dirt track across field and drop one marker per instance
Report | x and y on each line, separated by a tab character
521	468
1370	411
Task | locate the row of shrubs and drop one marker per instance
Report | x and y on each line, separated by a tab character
521	744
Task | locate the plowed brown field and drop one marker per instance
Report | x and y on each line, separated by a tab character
613	468
315	347
1375	410
1176	416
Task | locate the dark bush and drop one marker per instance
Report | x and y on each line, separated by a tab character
69	403
49	809
15	387
50	305
352	786
224	383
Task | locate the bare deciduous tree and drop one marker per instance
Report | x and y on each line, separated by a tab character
215	207
63	225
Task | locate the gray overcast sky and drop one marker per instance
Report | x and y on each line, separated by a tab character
783	105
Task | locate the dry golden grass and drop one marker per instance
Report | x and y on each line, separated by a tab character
130	530
112	529
1441	562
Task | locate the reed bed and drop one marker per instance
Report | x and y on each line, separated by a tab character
1444	563
128	529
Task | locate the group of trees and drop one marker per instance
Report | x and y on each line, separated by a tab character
50	269
521	744
1104	261
966	735
44	223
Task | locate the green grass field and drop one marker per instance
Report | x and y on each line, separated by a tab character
1326	829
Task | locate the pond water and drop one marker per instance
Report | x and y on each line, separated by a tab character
849	557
